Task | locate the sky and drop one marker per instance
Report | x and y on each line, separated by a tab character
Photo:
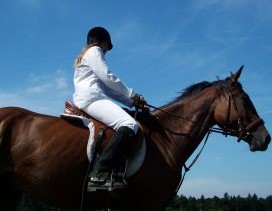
160	48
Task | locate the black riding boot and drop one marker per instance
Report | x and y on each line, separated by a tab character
105	174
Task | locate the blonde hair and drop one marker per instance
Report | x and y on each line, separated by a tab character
82	53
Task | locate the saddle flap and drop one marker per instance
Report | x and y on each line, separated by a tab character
100	138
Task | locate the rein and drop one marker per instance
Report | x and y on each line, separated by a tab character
241	133
186	168
171	113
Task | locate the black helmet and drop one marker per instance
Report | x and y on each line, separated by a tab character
99	34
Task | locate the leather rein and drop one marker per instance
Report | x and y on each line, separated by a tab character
242	131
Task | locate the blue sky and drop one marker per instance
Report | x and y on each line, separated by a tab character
160	48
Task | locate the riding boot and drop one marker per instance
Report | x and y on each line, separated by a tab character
105	174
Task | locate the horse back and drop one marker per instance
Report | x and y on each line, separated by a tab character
32	139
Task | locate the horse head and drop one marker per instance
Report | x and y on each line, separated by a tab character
236	115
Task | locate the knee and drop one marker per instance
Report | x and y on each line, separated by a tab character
132	124
135	127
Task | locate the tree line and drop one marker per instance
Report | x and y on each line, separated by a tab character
182	203
226	203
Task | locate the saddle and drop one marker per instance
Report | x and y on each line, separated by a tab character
71	109
102	132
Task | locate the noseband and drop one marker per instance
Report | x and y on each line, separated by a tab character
242	131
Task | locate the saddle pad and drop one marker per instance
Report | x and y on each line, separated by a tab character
85	121
133	164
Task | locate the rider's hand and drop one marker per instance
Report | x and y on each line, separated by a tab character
139	101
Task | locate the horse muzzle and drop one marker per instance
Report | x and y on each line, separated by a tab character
259	140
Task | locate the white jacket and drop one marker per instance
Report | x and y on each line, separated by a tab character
94	81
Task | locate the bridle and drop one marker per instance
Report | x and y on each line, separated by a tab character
242	131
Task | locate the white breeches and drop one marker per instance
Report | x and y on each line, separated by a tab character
110	114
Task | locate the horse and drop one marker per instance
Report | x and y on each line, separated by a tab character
45	157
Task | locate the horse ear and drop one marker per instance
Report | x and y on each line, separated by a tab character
234	77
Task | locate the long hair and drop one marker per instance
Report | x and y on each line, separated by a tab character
82	53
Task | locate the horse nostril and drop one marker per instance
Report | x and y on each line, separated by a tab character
267	139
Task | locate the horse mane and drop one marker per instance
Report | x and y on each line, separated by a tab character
195	89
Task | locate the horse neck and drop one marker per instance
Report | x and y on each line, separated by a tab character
198	118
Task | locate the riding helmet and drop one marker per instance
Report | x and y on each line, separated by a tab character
99	34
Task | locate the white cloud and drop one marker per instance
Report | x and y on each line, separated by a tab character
17	99
40	88
41	83
61	83
126	30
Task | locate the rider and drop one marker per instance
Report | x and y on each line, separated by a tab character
95	89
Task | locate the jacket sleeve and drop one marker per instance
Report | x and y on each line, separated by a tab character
116	88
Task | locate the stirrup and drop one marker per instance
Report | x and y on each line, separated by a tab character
115	182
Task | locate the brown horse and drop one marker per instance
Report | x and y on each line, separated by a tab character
45	156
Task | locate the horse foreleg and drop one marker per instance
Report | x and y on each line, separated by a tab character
9	194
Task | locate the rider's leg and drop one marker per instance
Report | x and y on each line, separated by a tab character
106	169
114	154
111	115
